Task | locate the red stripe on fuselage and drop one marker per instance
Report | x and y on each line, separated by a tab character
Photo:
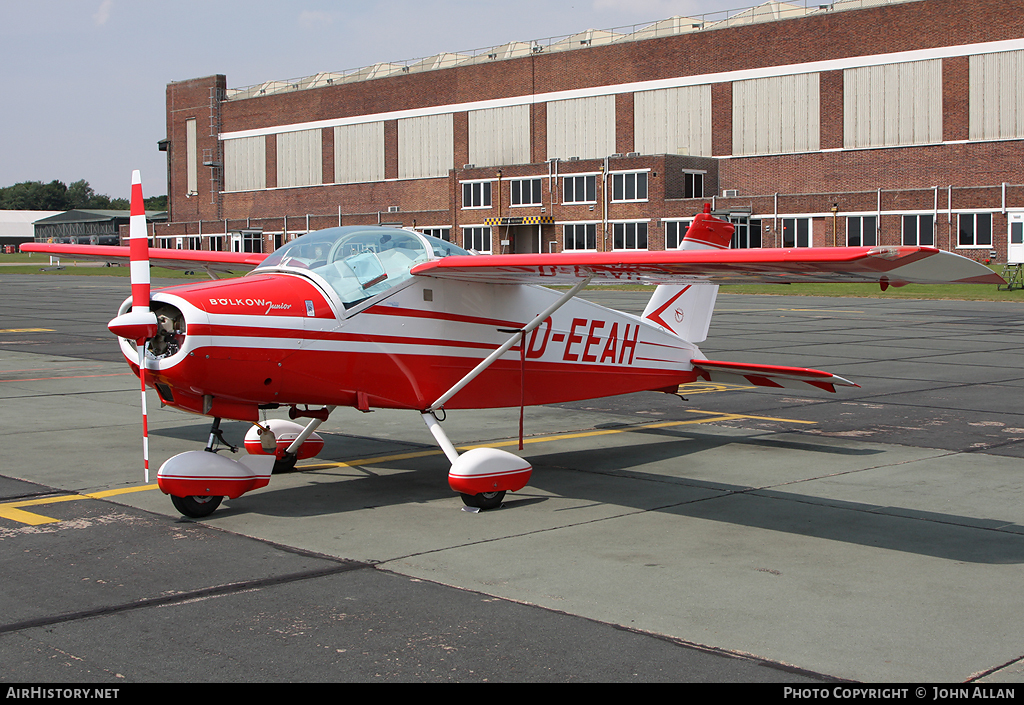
441	315
400	380
257	332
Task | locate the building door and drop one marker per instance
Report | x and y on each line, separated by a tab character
526	239
747	233
1015	243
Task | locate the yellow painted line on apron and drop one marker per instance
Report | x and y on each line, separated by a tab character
749	416
11	510
714	416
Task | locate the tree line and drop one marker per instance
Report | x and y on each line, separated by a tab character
56	196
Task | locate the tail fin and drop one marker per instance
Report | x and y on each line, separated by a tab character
686	310
683	310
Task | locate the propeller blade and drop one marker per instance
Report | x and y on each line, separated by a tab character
138	243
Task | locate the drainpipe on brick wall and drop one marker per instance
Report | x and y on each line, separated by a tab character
553	189
775	222
935	220
949	218
1004	198
604	203
878	219
497	228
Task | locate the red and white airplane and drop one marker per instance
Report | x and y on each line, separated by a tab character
369	316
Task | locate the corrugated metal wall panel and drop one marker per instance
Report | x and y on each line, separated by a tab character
892	105
673	121
581	127
359	153
776	115
997	95
499	136
300	158
191	158
426	146
245	164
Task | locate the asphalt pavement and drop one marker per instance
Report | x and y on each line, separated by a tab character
735	535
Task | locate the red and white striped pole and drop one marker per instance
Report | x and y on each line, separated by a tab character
140	323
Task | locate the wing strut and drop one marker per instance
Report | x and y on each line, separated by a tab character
519	336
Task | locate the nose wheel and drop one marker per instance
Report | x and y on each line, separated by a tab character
196	507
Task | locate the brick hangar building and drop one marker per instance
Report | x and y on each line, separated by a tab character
861	122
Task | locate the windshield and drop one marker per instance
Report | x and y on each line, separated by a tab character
360	261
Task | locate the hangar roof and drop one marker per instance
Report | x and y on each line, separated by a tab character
771	11
19	223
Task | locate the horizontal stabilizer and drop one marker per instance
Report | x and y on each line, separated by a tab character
768	375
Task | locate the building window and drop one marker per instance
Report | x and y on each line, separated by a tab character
526	192
975	230
478	239
747	233
630	186
629	236
580	236
579	189
693	185
476	194
193	243
252	241
862	231
440	233
796	232
919	230
675	230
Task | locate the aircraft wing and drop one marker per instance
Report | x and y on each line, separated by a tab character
171	259
895	266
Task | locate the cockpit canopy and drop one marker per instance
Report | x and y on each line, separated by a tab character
359	261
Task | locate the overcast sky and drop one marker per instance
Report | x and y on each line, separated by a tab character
84	80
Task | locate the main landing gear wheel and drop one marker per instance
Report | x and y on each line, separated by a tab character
286	463
484	500
195	506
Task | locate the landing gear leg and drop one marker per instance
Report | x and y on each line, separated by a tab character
489	469
217	436
286	461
